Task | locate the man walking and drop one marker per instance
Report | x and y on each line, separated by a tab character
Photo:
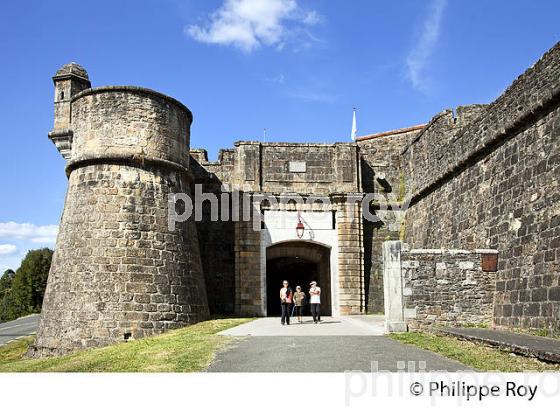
315	302
285	303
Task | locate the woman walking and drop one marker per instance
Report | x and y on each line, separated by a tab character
299	300
286	303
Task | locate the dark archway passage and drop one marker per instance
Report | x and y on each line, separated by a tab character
298	262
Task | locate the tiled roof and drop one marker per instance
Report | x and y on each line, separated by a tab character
391	133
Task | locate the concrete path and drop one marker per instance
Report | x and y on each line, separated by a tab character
543	348
329	326
327	354
336	345
24	326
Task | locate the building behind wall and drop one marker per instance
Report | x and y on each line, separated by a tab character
286	173
475	178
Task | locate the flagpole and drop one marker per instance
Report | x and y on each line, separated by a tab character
354	132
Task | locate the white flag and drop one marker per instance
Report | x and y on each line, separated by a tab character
354	129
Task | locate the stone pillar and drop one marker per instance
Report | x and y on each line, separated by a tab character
118	271
247	176
393	287
249	287
351	294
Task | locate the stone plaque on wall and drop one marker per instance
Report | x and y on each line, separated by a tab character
297	166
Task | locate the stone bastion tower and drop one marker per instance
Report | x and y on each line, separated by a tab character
118	272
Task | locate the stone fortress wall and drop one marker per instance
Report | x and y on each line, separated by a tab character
437	287
493	182
381	173
480	180
233	250
446	287
408	164
216	238
118	272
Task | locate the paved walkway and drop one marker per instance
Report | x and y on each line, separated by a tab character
329	326
336	345
543	348
24	326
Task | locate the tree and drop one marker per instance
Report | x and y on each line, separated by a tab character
34	271
6	281
25	289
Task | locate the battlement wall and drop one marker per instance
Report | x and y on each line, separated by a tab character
495	183
427	153
445	146
284	167
129	122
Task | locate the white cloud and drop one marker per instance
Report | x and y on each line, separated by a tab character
312	17
25	231
250	24
7	249
419	57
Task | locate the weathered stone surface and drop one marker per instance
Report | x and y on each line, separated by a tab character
495	183
480	179
447	288
118	271
380	155
232	250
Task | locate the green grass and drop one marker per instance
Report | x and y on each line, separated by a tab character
189	349
475	355
555	334
475	325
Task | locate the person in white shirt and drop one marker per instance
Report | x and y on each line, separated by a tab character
315	302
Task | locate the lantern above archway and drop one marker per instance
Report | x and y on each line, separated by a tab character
300	227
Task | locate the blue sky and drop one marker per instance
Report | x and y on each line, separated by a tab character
294	67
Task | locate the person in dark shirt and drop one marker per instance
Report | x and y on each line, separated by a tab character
286	296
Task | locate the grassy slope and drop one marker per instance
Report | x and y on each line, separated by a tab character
475	355
184	350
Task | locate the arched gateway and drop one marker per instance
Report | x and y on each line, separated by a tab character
298	262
